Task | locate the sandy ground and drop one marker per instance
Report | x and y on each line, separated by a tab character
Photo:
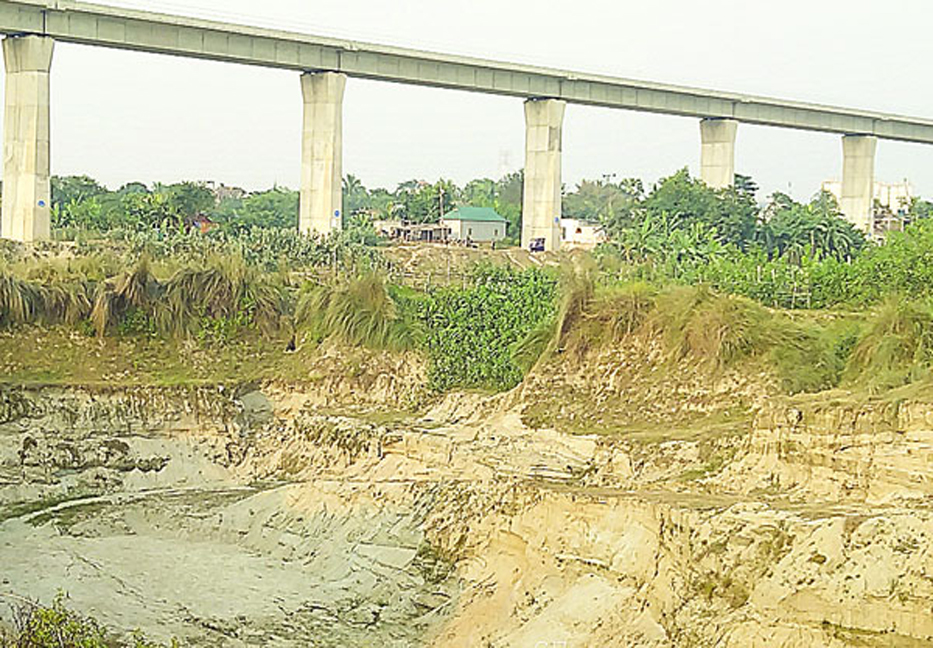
258	520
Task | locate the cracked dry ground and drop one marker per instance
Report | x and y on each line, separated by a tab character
260	517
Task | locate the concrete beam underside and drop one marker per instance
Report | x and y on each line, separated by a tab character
26	150
858	180
541	202
93	24
717	152
321	208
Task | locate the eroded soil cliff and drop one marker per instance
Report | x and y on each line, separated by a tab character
682	510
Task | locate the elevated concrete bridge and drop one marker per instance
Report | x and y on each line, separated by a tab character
32	26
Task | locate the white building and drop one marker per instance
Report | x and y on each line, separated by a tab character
479	224
894	198
579	233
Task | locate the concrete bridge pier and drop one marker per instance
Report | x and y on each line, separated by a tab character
717	153
26	205
858	180
321	204
541	202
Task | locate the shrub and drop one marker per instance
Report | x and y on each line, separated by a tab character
471	333
56	626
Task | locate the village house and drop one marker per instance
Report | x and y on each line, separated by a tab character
478	224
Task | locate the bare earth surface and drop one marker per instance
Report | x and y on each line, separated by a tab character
261	516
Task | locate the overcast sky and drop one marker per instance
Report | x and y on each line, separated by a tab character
121	116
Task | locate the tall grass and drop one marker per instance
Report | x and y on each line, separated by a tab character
136	289
95	267
28	302
67	302
226	289
627	308
576	287
588	318
358	312
695	325
813	357
713	329
897	346
20	301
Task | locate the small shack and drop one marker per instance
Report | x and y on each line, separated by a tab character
404	231
479	224
577	233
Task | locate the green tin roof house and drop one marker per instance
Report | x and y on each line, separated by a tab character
479	224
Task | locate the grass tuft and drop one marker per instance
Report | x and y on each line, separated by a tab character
359	312
897	346
223	295
135	290
20	301
717	330
226	289
576	288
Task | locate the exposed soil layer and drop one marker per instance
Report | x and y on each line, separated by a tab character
230	517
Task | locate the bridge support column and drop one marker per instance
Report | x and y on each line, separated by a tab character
717	155
541	203
26	150
858	180
321	209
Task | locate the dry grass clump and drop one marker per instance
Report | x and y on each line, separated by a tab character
29	302
896	347
714	329
359	312
67	302
135	289
222	296
20	301
225	290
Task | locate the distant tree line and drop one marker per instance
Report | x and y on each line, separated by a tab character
636	220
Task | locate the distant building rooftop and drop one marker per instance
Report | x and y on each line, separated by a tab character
475	215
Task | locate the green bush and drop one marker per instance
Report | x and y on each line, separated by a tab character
56	626
470	332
